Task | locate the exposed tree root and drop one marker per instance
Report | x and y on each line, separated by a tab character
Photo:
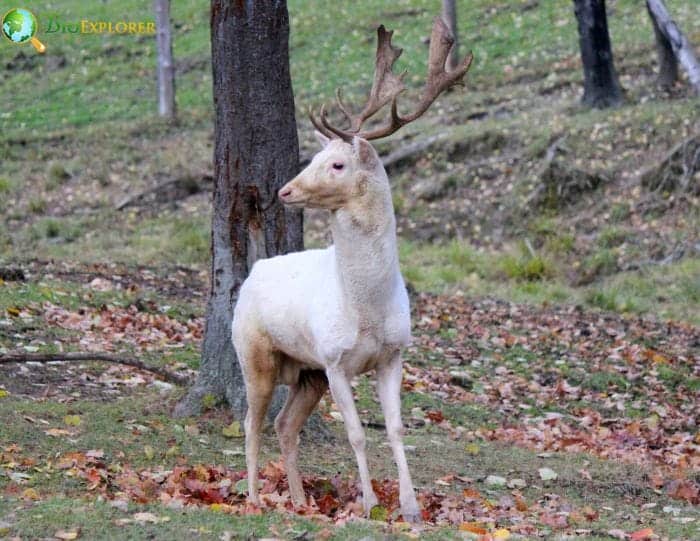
678	170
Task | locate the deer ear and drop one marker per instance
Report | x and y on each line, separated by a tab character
365	152
322	139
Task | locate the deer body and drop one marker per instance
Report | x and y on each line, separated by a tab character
343	310
324	316
317	306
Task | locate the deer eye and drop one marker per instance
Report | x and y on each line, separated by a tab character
338	166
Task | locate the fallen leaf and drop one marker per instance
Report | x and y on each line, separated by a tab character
172	451
67	535
30	494
501	534
495	481
148	452
473	527
379	512
72	420
516	483
148	517
472	449
641	535
55	432
233	430
547	474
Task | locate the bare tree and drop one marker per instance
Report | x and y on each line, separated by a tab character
256	152
672	47
601	87
166	67
449	14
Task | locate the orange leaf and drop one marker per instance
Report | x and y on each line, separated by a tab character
473	527
471	494
640	535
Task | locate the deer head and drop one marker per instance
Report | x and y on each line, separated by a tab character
348	167
341	172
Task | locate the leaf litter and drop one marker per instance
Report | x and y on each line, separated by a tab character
531	366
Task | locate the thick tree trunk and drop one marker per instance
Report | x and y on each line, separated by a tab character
672	47
601	87
449	14
256	152
166	66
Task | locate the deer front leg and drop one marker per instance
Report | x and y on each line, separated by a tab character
342	395
389	391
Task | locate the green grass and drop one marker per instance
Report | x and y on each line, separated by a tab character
108	78
98	520
669	291
122	429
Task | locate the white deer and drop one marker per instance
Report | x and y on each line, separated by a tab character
315	319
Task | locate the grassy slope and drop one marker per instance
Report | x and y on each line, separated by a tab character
59	118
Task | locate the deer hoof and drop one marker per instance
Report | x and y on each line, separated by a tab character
412	514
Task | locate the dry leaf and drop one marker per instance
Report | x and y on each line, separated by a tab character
66	535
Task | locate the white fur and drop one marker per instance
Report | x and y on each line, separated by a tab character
343	310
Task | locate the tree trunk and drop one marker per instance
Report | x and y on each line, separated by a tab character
668	65
449	14
601	87
256	152
673	47
166	66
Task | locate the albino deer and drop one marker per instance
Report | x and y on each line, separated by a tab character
315	319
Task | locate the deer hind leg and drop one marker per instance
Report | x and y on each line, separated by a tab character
259	365
301	401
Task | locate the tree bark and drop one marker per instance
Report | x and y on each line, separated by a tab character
449	14
601	87
256	152
668	65
673	47
166	66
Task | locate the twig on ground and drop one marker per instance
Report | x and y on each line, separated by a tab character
76	357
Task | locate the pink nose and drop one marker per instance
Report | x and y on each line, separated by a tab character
284	192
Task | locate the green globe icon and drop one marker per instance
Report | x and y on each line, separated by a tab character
19	25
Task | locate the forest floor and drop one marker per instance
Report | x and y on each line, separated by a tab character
552	389
524	421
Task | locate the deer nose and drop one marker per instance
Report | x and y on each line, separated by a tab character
285	192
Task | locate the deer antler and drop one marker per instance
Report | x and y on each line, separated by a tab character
387	86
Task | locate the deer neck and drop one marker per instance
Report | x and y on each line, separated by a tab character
367	262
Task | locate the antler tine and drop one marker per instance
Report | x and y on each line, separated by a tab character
386	84
319	127
345	136
343	108
438	80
